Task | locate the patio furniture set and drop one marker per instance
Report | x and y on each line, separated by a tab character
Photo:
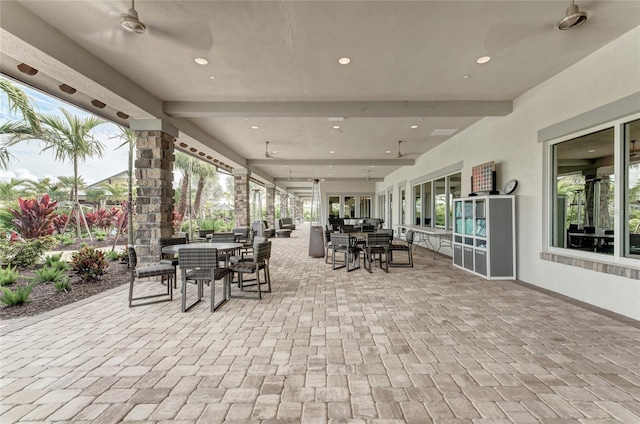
224	257
373	246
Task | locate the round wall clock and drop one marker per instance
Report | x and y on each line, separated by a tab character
510	186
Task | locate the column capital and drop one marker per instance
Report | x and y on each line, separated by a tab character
153	125
241	171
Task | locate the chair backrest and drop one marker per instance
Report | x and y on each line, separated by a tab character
327	235
200	257
348	229
409	237
204	233
385	231
378	239
223	238
133	257
172	241
262	252
341	239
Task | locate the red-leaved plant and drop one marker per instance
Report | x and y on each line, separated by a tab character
34	218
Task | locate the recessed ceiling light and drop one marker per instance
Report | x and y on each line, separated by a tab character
212	76
332	152
275	152
329	174
201	60
330	166
591	151
286	166
444	131
344	61
388	151
373	166
483	59
336	127
466	76
413	127
254	127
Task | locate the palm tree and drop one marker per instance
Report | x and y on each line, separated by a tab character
65	186
129	139
94	196
184	163
39	188
205	173
29	127
8	189
70	139
116	192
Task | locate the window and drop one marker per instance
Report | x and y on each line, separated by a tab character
403	205
587	172
334	207
365	207
349	207
435	198
390	194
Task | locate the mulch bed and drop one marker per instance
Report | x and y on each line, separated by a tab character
44	297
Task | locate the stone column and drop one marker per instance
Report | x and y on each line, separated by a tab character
271	201
299	210
284	203
241	198
154	177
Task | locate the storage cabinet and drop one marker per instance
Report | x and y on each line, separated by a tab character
484	236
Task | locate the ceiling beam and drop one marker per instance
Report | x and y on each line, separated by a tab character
345	109
335	162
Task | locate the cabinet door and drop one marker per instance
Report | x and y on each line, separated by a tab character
480	264
467	257
457	254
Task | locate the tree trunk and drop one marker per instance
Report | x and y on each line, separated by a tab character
184	191
198	199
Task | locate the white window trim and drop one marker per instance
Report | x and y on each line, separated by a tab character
620	197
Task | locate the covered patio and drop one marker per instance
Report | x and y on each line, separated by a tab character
416	345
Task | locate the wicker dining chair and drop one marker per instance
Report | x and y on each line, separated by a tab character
377	244
344	244
153	270
403	247
201	265
171	259
260	262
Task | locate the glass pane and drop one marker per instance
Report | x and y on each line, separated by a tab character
631	134
334	207
583	204
403	205
455	182
390	209
349	207
417	201
365	206
426	201
440	201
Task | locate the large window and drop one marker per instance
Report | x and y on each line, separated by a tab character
586	172
334	207
435	199
349	207
403	205
365	207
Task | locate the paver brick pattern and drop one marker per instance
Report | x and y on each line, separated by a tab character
417	345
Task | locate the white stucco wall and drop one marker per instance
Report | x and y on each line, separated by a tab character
609	74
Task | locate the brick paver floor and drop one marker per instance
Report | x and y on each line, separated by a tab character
421	345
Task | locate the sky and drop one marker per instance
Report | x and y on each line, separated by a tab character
28	162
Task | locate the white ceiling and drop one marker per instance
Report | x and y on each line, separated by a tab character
408	62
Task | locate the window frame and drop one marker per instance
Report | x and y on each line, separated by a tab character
621	198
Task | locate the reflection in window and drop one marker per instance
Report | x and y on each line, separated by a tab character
440	202
631	134
365	207
349	207
426	204
334	207
455	182
584	193
403	205
417	201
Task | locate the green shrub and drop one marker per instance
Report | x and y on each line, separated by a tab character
61	265
8	275
18	297
25	253
51	259
89	263
101	237
46	274
62	285
112	255
67	240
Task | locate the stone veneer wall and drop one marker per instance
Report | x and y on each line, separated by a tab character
299	210
241	199
271	212
284	203
154	202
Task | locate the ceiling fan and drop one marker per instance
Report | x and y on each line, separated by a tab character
131	22
399	154
266	153
135	31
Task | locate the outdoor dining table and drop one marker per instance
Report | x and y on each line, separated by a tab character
222	247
